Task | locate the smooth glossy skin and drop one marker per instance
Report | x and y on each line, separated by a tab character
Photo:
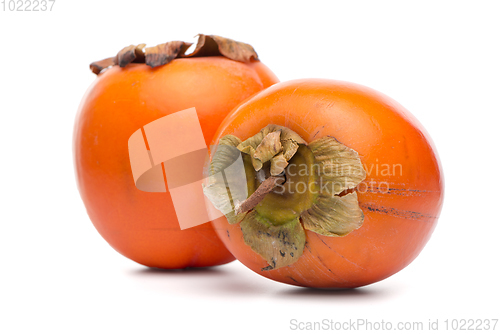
401	209
143	226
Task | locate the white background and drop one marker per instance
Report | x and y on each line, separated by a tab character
440	59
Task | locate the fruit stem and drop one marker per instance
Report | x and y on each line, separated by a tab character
265	187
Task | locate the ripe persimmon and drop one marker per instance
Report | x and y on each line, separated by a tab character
142	226
343	185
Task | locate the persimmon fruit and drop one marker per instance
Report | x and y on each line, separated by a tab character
356	184
131	90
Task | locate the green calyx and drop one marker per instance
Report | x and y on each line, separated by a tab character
288	200
282	186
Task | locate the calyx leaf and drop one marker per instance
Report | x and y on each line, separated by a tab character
278	164
131	53
333	216
213	45
279	245
339	167
100	65
164	53
273	143
269	147
226	183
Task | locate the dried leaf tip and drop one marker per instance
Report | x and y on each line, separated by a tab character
162	54
100	65
213	45
129	54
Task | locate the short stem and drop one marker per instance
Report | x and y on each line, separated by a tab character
265	187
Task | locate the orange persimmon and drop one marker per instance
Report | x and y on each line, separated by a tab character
140	225
391	202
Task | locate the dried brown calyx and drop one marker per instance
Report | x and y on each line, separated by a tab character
162	54
283	187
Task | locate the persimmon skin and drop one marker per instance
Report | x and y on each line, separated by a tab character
140	225
398	220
